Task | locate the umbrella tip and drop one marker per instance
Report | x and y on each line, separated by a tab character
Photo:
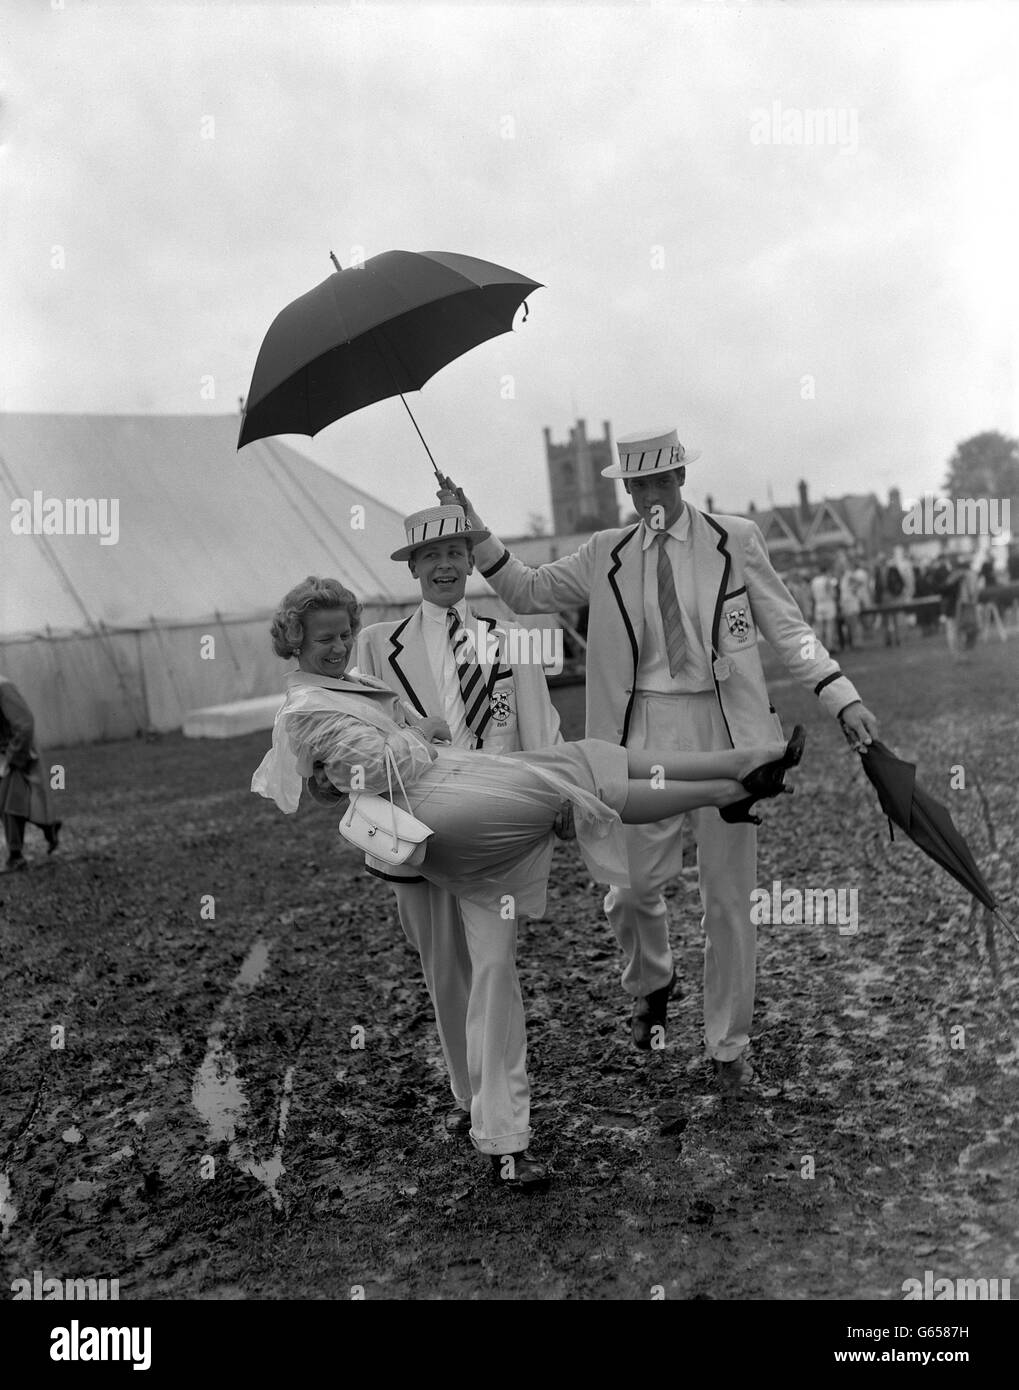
335	261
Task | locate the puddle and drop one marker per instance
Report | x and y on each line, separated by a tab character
255	965
8	1206
269	1172
218	1094
616	1119
83	1190
216	1091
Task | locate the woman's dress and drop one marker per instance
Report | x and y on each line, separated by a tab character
491	814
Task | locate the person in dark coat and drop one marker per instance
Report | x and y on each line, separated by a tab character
24	795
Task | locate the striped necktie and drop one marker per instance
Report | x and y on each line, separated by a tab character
473	690
675	642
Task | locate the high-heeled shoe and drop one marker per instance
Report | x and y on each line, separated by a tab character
766	781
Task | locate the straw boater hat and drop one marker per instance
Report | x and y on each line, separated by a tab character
435	524
649	451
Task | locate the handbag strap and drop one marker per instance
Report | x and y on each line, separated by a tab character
393	770
390	758
385	725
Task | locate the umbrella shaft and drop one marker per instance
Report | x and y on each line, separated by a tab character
424	441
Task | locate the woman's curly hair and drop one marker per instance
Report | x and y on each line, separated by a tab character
287	629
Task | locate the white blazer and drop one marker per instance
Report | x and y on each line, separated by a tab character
739	598
395	652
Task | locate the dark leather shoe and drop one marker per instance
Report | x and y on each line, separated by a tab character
15	864
733	1076
649	1013
52	833
458	1123
520	1172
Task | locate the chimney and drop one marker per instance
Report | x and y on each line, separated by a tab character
607	436
582	430
804	504
711	502
751	510
895	499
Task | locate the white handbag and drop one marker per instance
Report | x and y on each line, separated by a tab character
383	829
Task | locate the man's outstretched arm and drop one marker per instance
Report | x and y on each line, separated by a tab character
564	583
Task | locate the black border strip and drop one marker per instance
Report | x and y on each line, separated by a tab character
835	675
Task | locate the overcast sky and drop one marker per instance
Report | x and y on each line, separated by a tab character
695	273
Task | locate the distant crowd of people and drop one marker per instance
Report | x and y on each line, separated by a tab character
841	595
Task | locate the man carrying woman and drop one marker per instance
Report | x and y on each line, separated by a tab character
492	815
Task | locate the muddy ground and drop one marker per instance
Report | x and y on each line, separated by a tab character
203	1129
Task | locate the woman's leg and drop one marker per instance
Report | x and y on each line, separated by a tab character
646	802
14	833
666	782
669	765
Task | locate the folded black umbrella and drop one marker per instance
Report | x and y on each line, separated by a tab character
926	822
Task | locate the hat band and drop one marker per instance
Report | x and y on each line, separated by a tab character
434	530
650	460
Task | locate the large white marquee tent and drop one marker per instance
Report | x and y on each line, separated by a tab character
107	640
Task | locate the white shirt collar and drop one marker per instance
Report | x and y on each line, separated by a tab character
432	613
680	528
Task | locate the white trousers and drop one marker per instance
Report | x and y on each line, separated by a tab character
468	954
727	872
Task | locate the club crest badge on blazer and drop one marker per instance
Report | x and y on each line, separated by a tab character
501	707
737	620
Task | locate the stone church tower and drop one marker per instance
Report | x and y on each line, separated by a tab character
582	500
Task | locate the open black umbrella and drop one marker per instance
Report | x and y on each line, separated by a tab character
374	331
926	822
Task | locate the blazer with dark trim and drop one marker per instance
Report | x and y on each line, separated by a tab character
395	653
739	598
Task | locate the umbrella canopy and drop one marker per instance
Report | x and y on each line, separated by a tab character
925	820
374	331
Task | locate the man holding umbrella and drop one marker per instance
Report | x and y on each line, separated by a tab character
677	603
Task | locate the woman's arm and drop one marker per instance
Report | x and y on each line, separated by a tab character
433	729
353	752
